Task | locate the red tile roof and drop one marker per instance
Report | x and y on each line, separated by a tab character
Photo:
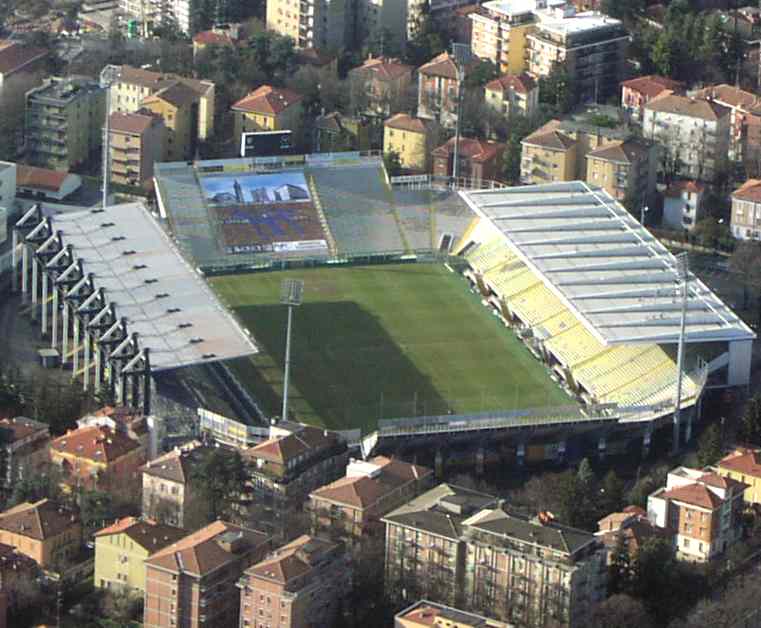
149	535
653	85
175	466
732	96
15	57
630	151
285	448
405	122
695	495
131	123
212	38
38	520
746	461
20	428
177	94
689	107
96	443
474	149
40	178
384	68
268	100
443	65
749	191
684	185
291	561
550	136
521	83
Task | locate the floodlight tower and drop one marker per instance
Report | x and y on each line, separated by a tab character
683	273
291	294
108	76
461	55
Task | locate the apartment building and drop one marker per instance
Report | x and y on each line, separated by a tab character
45	531
133	85
694	134
98	458
437	90
64	122
267	108
424	614
703	509
178	106
465	549
745	221
590	45
548	154
381	85
499	30
137	141
284	469
321	24
179	12
25	448
513	94
631	527
121	550
743	465
22	67
744	119
410	138
297	586
637	92
626	170
477	160
351	509
683	204
192	582
168	487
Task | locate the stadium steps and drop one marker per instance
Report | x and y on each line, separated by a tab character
323	220
395	213
575	346
617	368
465	239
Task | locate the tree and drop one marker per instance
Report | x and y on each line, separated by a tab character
220	478
746	262
393	163
620	611
480	74
556	89
620	568
750	422
511	161
428	39
585	473
611	494
709	446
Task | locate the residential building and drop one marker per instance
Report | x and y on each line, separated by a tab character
137	142
284	469
499	30
746	211
98	458
744	119
121	550
513	94
297	586
590	45
463	548
626	170
46	532
477	160
321	24
42	183
133	85
382	85
25	448
149	430
267	108
424	614
694	134
683	204
192	581
351	509
743	464
336	132
637	92
463	23
548	154
437	90
631	528
64	122
169	494
703	509
22	68
178	106
15	566
411	139
179	12
220	37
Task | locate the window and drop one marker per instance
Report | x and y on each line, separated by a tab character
687	543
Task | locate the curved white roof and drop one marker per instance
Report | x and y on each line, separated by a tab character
616	277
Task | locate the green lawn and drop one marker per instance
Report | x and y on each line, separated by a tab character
375	342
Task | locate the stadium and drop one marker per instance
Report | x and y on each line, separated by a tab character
431	314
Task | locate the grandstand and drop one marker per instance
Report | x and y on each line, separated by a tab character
596	297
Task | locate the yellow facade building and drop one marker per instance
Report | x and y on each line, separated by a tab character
499	34
178	106
410	138
744	465
624	169
267	108
548	154
121	549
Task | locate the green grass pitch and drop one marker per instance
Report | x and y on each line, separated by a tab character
388	341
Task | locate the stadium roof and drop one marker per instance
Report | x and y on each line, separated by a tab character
167	303
616	277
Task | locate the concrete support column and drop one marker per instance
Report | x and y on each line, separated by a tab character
646	441
122	390
675	436
86	378
65	334
35	284
561	451
439	463
688	428
602	446
14	261
44	317
98	367
54	329
480	460
24	272
520	454
76	347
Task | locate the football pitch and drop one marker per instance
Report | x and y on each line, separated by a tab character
387	341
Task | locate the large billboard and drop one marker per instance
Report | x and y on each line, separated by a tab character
256	189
